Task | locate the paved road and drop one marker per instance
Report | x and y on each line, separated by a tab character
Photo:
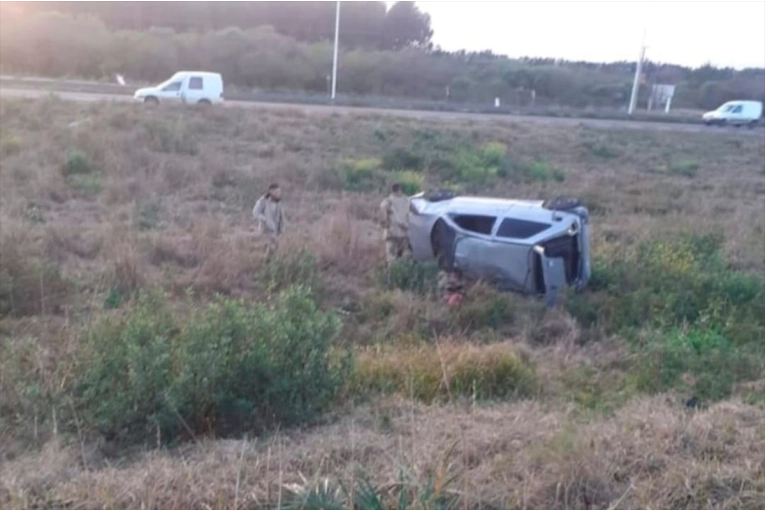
416	114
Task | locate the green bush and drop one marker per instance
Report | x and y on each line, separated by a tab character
666	284
481	166
542	171
226	368
411	182
699	362
77	163
410	275
361	174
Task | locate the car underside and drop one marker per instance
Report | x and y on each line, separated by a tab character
527	246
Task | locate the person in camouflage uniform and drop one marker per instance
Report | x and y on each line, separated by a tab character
268	212
394	218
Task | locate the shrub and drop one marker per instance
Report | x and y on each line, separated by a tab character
361	174
493	154
700	362
410	275
542	171
411	182
431	373
666	284
227	368
77	163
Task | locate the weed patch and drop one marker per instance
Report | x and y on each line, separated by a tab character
448	370
410	275
298	268
699	362
28	286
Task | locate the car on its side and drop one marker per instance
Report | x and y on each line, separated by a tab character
735	113
189	87
526	246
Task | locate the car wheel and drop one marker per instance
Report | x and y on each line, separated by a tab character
151	101
442	243
204	102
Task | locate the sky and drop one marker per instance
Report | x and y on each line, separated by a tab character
691	33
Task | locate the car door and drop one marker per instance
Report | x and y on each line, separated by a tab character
737	114
172	92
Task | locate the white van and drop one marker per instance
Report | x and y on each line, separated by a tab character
191	87
735	113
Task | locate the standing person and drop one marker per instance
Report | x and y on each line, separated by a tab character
394	217
268	213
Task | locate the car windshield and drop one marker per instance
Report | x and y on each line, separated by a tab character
166	82
726	107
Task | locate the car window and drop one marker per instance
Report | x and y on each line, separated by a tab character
173	87
475	223
520	229
736	109
196	83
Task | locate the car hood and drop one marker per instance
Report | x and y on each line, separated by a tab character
144	91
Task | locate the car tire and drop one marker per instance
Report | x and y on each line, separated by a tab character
151	101
204	102
440	238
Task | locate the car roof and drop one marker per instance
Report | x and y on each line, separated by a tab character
200	73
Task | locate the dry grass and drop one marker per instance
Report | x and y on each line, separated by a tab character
174	211
505	456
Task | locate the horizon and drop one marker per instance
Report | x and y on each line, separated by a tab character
739	46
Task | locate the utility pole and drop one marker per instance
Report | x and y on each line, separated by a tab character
334	60
636	83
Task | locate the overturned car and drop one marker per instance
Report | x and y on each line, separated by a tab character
527	246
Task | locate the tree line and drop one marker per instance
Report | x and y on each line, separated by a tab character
365	24
83	45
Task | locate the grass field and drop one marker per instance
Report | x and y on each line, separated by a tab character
149	358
